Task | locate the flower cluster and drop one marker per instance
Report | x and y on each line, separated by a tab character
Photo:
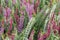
29	20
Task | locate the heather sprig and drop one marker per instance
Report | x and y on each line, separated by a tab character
30	19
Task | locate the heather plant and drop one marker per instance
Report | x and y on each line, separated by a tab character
29	19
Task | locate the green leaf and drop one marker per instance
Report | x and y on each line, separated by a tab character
40	21
26	20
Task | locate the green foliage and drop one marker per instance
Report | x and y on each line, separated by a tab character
26	20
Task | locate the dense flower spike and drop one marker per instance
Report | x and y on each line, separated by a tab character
11	22
30	19
14	2
29	9
20	25
7	12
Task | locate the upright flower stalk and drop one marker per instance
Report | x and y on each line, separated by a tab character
7	12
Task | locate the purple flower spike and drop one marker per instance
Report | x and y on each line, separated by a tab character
7	12
20	25
29	9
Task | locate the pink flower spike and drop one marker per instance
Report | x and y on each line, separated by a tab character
7	12
29	9
11	21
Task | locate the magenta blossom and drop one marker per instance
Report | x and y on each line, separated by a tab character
20	21
7	12
45	35
29	9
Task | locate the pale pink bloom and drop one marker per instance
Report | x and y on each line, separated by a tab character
31	35
29	9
